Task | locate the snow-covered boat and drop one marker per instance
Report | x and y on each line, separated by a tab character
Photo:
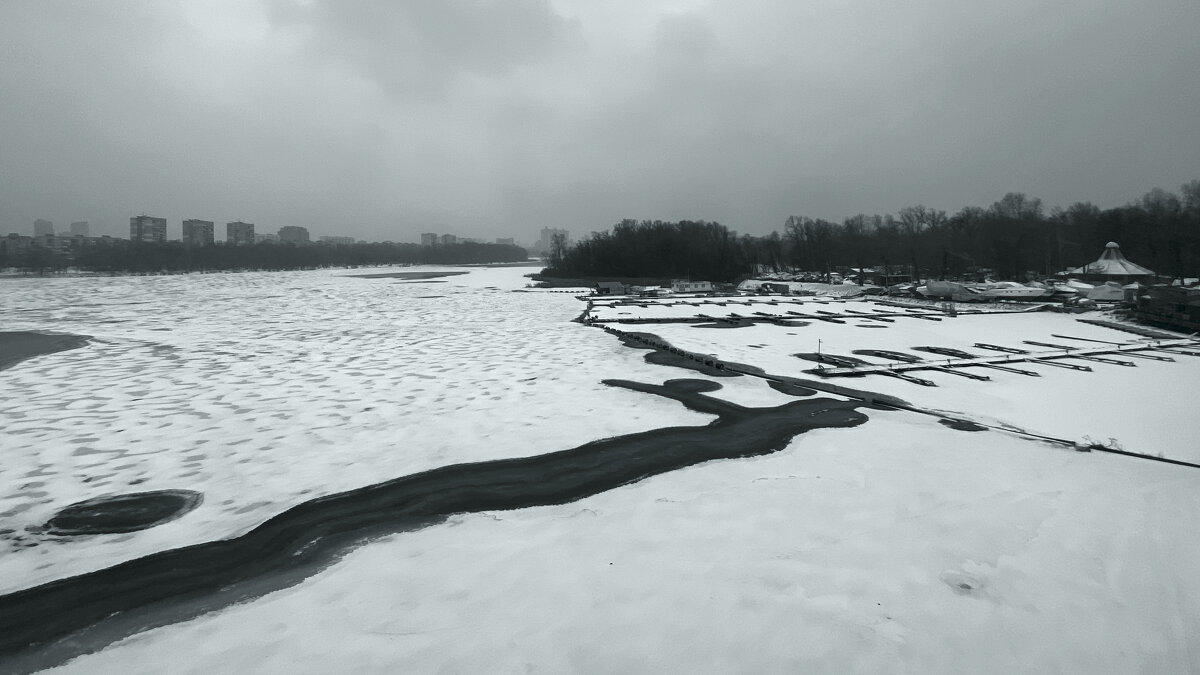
1109	291
1011	290
950	290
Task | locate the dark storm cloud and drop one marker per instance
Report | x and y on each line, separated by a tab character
381	119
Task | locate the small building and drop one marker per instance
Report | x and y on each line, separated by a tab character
56	244
610	288
1112	265
16	244
680	286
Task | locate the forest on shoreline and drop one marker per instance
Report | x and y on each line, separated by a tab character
119	256
1014	238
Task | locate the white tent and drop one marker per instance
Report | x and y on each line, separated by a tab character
1112	266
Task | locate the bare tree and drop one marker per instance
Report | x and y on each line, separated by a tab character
558	248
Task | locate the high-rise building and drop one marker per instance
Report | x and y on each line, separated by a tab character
81	228
449	239
238	233
147	228
42	228
546	241
429	239
198	232
505	241
294	234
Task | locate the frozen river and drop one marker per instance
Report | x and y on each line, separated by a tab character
263	390
896	545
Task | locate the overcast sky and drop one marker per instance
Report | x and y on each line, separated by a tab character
381	119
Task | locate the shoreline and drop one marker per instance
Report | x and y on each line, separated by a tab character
73	273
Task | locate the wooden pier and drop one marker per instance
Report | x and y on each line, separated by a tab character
1003	360
1130	328
810	313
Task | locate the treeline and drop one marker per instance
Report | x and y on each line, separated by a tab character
1014	238
150	258
687	249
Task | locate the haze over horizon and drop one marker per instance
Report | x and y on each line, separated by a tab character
383	119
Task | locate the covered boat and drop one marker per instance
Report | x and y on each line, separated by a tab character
950	290
1109	291
1011	290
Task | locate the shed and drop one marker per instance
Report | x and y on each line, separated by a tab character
610	288
680	286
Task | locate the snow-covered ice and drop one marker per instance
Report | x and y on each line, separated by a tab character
897	546
263	390
1144	408
900	546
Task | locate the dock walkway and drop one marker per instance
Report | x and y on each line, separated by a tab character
1001	359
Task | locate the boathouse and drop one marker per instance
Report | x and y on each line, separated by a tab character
610	288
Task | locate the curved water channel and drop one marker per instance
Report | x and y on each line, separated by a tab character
53	622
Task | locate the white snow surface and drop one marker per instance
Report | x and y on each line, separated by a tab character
896	546
900	546
1146	408
264	390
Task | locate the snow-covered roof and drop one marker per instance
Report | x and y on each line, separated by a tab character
1112	263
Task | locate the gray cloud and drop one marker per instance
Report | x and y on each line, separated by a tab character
414	48
381	119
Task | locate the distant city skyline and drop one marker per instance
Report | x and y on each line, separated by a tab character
203	231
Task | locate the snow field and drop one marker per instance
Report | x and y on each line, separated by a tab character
263	390
898	546
673	309
1144	408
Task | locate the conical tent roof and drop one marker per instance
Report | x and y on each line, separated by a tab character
1112	263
